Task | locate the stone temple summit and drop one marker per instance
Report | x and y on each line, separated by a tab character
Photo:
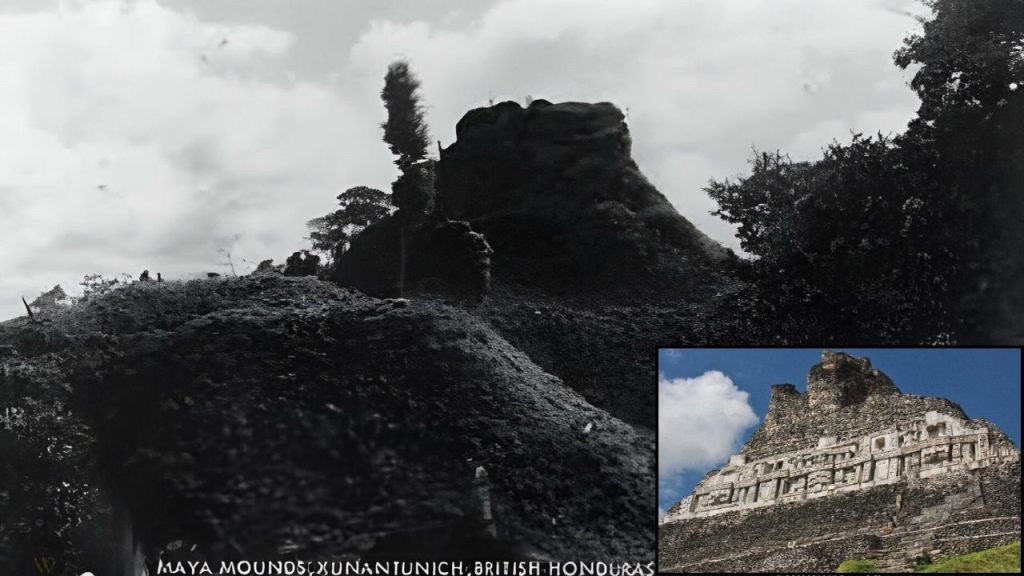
852	469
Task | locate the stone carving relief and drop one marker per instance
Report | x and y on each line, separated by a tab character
938	444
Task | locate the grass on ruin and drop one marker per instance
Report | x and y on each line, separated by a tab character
857	566
999	559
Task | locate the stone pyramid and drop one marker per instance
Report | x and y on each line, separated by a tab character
852	469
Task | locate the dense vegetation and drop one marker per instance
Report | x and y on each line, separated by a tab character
358	207
405	133
913	238
412	193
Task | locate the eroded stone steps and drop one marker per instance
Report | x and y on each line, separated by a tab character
903	559
899	554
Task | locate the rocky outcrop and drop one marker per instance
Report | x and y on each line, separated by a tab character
556	193
853	468
845	397
555	190
841	380
446	258
587	255
265	413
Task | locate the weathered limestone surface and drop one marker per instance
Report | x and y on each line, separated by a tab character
851	469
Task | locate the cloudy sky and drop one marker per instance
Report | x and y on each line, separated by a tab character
149	134
711	400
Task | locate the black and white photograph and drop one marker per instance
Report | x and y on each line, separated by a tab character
344	287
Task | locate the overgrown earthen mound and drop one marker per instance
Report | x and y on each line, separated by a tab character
555	190
592	267
250	413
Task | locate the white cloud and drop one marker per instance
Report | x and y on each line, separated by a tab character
703	80
700	421
136	136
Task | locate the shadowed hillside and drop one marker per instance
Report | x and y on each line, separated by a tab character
253	413
587	255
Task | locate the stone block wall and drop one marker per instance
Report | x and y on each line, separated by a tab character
933	444
852	469
949	513
792	424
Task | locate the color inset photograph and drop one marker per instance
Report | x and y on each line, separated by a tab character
876	460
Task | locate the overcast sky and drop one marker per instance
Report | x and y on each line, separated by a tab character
144	134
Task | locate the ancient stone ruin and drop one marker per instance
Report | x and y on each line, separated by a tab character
555	189
446	257
896	476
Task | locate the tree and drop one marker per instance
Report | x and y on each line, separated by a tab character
911	238
266	266
51	299
359	207
302	263
970	57
405	130
844	247
970	79
405	133
98	284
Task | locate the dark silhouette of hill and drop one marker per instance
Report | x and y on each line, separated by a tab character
247	413
557	194
592	268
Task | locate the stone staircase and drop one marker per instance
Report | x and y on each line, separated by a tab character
911	540
906	554
903	553
898	550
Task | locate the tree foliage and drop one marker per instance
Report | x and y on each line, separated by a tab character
51	299
406	134
405	130
413	191
907	238
970	79
844	247
358	208
48	492
302	263
971	57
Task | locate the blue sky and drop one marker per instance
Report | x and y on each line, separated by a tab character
985	382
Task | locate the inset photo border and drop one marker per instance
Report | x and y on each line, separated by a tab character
848	459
